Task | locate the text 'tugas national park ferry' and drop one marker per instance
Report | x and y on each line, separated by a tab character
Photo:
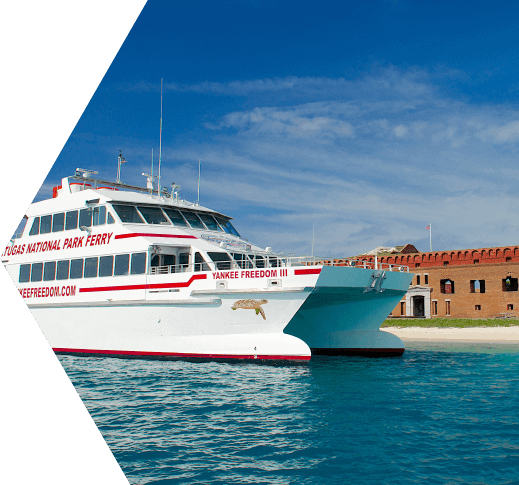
113	269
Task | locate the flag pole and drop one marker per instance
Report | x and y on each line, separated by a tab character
430	236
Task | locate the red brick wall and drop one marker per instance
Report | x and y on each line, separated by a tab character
492	265
452	258
462	301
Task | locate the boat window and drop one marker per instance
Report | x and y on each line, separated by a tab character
169	260
122	263
200	264
90	267
153	215
49	271
25	273
273	262
183	260
106	265
128	214
175	217
110	219
138	263
36	271
76	269
58	222
62	270
45	224
222	260
193	220
210	222
155	261
242	260
35	229
71	220
85	217
260	261
227	226
99	215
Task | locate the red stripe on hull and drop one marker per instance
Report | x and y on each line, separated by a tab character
151	234
307	271
146	286
171	355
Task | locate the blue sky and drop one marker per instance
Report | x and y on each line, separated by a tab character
368	120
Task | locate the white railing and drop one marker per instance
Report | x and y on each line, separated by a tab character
278	261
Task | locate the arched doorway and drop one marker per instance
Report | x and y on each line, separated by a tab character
418	306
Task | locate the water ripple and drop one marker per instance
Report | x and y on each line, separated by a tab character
443	414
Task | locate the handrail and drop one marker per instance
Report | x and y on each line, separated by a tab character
273	262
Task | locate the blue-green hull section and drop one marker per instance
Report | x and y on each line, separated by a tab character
344	312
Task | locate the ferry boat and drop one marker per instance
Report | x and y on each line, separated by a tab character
108	268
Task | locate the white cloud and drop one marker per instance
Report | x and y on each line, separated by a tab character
507	133
368	161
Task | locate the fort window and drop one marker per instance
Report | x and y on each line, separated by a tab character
417	279
402	308
426	279
445	263
477	286
508	259
478	307
476	261
435	307
447	307
446	286
510	284
510	306
417	265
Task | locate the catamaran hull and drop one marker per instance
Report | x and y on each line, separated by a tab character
317	310
344	311
208	328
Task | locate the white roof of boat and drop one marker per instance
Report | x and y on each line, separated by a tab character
78	200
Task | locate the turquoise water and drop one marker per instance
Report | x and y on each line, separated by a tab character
441	413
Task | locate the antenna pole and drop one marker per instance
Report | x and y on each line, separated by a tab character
152	171
198	200
160	137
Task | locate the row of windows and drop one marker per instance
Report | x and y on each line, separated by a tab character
118	265
509	307
66	221
476	286
168	216
97	216
434	308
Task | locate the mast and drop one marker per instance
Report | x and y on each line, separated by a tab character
198	199
160	137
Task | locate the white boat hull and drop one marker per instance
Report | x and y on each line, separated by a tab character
197	328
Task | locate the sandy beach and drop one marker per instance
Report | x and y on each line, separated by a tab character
475	334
